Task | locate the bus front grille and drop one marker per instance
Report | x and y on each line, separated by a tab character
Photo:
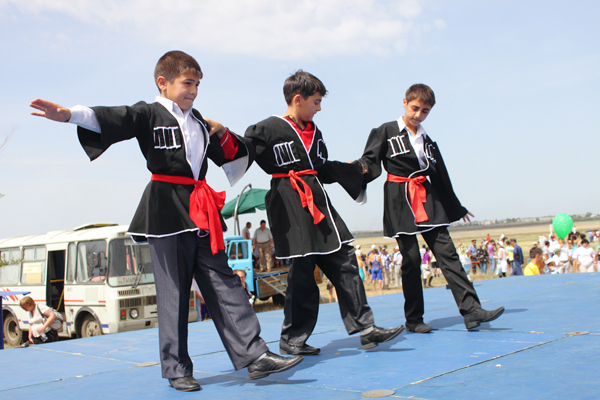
134	302
129	292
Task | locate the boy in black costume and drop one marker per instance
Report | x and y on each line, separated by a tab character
418	198
179	214
306	228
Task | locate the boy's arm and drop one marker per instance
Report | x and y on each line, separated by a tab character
373	155
348	175
443	187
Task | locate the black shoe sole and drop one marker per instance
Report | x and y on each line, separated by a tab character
368	346
262	374
188	389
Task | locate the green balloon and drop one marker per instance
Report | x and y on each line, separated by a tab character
562	224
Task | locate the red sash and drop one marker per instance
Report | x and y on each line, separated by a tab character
417	193
306	196
205	205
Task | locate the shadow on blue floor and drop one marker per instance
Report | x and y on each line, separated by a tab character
546	345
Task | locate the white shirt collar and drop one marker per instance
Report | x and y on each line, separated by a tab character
172	106
420	129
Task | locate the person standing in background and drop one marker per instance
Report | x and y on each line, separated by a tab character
263	241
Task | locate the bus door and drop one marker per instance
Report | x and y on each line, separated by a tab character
55	279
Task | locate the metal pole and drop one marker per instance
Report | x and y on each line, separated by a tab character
236	220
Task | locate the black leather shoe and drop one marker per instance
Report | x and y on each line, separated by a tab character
272	363
185	384
379	335
475	318
419	327
304	350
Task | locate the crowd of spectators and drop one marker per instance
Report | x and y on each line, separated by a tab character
578	252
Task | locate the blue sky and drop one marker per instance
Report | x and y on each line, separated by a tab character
516	84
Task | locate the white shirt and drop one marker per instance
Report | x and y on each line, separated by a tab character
564	253
416	141
191	129
585	255
398	258
262	236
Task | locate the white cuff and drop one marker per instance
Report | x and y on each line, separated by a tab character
234	170
362	197
85	117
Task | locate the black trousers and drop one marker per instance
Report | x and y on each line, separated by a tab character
440	243
175	259
302	295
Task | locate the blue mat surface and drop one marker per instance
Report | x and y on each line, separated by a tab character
546	345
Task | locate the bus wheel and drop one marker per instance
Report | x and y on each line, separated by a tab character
279	299
90	327
12	333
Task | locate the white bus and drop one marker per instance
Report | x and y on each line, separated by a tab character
95	275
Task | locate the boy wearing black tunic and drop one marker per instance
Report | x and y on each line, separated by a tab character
419	199
305	226
179	214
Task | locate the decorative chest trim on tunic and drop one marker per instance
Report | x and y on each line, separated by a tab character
398	147
284	154
165	138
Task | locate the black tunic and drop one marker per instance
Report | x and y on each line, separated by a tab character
279	149
164	207
392	147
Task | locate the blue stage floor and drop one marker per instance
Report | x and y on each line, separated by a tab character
534	351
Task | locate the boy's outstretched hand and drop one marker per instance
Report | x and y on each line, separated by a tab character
466	217
50	110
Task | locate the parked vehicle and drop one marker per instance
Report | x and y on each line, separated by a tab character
262	284
94	275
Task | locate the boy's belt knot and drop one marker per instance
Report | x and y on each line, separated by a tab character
306	196
417	193
205	205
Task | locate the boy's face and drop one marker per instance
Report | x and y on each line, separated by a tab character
182	91
415	112
308	107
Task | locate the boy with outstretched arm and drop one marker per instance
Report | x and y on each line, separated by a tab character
179	213
419	199
306	228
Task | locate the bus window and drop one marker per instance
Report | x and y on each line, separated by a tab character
129	264
91	262
10	266
34	262
71	263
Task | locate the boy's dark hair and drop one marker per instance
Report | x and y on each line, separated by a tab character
535	251
585	241
422	92
174	63
304	84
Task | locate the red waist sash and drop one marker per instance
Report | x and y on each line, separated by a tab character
417	193
205	205
306	196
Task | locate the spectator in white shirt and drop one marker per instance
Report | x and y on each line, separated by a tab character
584	257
